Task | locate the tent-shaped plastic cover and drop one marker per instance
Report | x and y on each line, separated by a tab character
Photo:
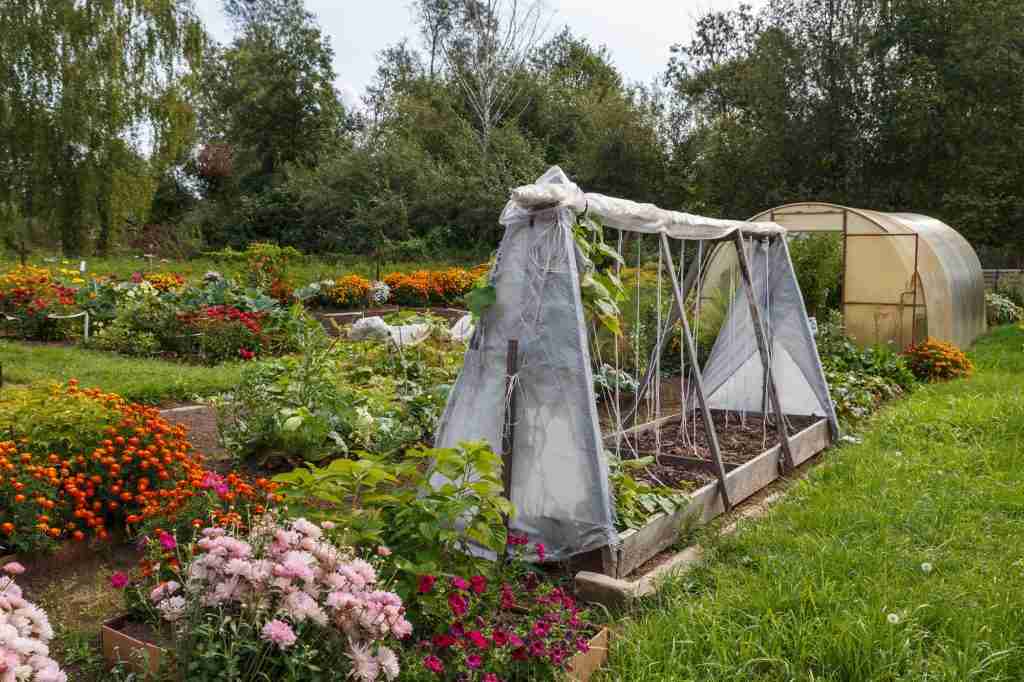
559	475
734	373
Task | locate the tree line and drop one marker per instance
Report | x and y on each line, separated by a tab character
123	124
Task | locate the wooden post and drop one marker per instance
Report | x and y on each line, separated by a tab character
508	434
698	378
762	347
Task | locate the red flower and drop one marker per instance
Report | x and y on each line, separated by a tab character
426	583
457	603
519	654
540	551
477	638
500	637
460	583
515	540
478	584
443	641
118	580
508	599
540	628
246	354
474	661
491	677
433	664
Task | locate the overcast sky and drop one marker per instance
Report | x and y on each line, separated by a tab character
638	32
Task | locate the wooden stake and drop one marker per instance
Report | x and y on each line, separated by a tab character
508	434
698	378
762	347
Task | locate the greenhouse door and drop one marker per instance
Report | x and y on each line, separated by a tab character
885	301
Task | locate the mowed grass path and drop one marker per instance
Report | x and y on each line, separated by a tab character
142	380
900	558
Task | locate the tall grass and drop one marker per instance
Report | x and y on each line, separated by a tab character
901	558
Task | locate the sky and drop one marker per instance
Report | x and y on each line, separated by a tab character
638	33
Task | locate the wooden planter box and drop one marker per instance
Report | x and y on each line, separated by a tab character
141	657
636	547
584	665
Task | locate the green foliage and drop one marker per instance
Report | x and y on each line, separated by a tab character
600	286
83	78
330	399
121	337
818	263
637	501
859	379
394	504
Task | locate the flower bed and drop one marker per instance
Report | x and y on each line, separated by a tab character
25	634
82	463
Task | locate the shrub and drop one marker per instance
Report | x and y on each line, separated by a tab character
933	360
165	281
119	337
224	332
1001	310
82	462
25	635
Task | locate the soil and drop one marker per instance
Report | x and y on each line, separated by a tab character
143	632
739	441
201	423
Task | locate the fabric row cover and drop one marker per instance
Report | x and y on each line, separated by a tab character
559	475
734	373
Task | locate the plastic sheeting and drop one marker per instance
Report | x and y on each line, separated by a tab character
375	328
559	475
626	215
734	373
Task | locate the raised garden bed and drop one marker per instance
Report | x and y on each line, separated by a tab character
331	318
748	470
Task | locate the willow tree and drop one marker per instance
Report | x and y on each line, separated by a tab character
92	103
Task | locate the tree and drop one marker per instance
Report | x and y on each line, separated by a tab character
486	52
79	84
270	94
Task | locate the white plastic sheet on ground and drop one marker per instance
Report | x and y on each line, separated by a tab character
375	328
462	331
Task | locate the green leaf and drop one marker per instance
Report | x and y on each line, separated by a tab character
292	423
480	299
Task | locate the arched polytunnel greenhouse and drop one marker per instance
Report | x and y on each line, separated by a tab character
905	276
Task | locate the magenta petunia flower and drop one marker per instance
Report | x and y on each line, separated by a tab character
457	603
499	637
426	583
478	584
118	580
474	661
460	583
433	664
477	639
540	551
167	541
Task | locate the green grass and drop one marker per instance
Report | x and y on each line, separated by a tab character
141	380
808	593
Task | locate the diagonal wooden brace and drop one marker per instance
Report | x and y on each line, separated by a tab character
698	378
786	463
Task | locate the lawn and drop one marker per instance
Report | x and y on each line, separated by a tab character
141	380
900	558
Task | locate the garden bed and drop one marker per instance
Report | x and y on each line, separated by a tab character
331	319
748	470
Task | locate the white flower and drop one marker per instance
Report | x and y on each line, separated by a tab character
926	567
893	619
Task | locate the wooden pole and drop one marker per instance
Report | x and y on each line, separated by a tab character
698	378
508	434
762	347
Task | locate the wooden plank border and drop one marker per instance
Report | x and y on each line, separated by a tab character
636	547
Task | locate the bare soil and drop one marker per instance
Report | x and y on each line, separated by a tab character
740	439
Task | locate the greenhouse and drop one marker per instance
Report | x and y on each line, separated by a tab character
905	277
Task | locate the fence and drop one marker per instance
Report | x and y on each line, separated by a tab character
1004	279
